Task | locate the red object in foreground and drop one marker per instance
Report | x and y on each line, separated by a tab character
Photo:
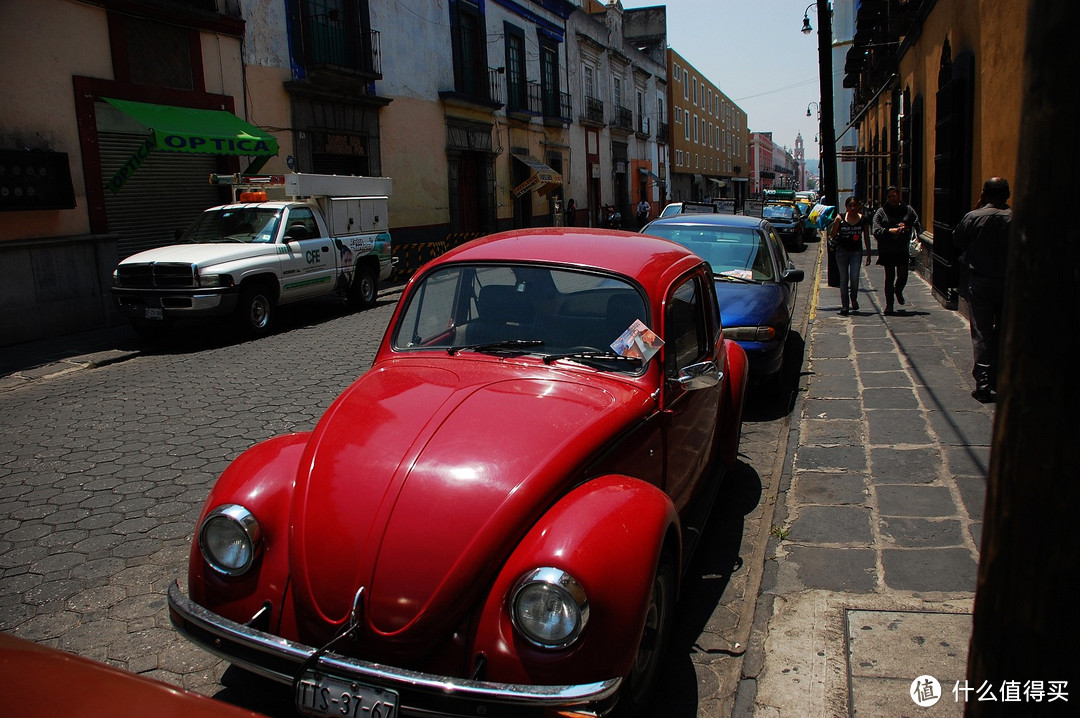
45	682
495	516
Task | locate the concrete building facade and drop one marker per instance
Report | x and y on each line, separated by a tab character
710	145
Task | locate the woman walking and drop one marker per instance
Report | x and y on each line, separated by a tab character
851	233
893	224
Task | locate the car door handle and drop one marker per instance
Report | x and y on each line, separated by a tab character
326	249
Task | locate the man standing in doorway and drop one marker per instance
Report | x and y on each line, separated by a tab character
983	238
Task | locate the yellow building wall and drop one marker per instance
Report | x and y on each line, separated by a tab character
268	109
994	34
414	155
69	39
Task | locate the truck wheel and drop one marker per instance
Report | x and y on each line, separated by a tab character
364	289
255	310
640	685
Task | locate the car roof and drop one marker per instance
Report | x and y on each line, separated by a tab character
652	261
719	220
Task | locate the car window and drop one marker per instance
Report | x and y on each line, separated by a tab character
301	224
565	310
777	211
234	224
779	249
686	332
736	251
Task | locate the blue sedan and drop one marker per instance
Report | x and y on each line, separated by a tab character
756	281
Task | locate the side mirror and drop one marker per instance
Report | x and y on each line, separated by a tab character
793	275
293	245
699	376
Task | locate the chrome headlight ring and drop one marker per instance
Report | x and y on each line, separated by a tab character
230	539
549	608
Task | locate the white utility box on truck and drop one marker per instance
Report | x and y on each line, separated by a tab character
329	236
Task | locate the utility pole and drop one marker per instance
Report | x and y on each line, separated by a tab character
828	125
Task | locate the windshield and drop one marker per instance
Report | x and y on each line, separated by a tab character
777	211
239	224
738	252
526	309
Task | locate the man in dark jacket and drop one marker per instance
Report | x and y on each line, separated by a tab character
983	237
893	224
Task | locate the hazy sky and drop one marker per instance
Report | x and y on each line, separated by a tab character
754	52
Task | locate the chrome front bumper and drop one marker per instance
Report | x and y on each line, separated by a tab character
421	693
175	304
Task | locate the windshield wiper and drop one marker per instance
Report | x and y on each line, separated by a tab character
595	359
494	346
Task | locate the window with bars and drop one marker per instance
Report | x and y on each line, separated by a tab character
470	50
516	94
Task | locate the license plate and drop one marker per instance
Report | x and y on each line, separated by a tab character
318	694
154	313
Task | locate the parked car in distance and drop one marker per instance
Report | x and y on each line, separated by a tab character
676	208
493	519
756	281
789	223
46	682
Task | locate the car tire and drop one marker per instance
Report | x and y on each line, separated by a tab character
635	698
365	288
256	310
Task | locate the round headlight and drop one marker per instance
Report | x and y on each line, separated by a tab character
549	608
229	539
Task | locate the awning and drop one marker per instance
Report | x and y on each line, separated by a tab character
543	180
190	131
648	173
718	183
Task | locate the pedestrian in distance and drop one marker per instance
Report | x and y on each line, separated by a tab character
571	212
982	236
850	233
643	210
893	224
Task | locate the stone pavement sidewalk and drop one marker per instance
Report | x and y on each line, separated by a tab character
872	566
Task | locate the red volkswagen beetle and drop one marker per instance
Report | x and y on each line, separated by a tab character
493	519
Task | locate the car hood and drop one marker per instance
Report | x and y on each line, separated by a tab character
747	305
423	476
204	255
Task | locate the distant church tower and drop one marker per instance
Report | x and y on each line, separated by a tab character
800	163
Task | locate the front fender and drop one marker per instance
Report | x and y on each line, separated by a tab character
608	534
261	479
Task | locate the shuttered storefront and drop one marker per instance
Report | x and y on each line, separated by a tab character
165	195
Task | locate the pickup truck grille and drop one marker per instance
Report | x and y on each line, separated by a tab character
155	275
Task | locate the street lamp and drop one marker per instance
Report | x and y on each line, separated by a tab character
827	131
806	27
808	109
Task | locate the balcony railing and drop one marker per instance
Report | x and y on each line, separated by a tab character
524	99
663	132
557	106
594	109
496	85
624	119
330	41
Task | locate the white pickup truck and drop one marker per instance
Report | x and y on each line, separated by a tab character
331	236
